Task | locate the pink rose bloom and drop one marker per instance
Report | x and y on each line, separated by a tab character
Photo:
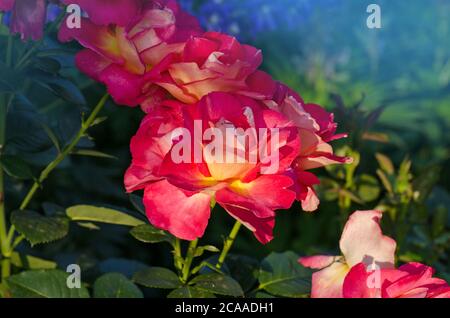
214	62
412	280
125	39
316	128
28	17
178	194
362	241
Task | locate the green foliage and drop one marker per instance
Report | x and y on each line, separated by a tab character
44	284
39	229
101	215
217	284
157	277
282	275
114	285
148	234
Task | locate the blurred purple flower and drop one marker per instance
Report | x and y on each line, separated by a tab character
28	17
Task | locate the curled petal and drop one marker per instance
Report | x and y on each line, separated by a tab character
363	241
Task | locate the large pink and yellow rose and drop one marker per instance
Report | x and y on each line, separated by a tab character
125	40
177	195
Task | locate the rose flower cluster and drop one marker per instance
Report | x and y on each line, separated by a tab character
218	130
154	55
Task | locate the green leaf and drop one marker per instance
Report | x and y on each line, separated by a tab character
148	234
244	269
60	86
102	215
47	64
10	80
114	285
202	249
190	292
44	284
282	275
91	153
39	229
31	262
136	201
15	167
439	221
157	277
424	183
218	284
385	163
89	225
51	135
263	295
368	187
98	121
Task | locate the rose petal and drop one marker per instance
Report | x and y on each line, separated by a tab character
363	241
182	213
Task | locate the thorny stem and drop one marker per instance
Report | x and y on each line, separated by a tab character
188	261
228	244
59	158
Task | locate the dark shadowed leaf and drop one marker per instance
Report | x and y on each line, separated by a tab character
218	284
148	234
114	285
16	167
282	275
38	228
157	277
190	292
44	284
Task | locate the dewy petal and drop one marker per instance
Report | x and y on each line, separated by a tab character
182	213
28	18
363	241
105	12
